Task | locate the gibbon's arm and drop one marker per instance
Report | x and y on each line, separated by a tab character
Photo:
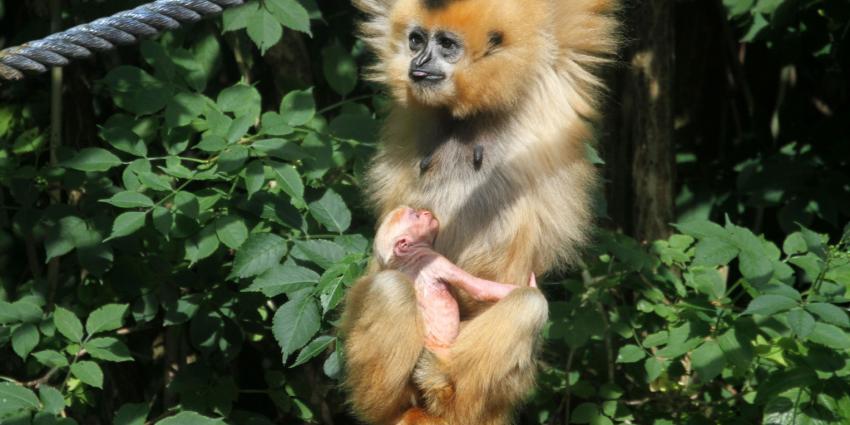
425	265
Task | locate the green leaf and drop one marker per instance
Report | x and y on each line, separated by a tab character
231	230
51	358
289	180
295	323
162	219
233	158
201	245
189	418
136	91
24	339
183	108
707	281
259	253
237	18
712	252
212	143
290	14
125	140
109	349
29	141
360	127
52	399
241	99
68	324
322	252
106	318
132	414
273	124
187	203
654	368
611	391
298	107
279	148
126	224
283	278
738	7
129	199
14	398
801	323
759	23
264	29
181	310
239	128
702	229
254	177
333	365
829	313
755	265
69	232
154	181
708	361
584	413
332	285
830	336
630	354
313	349
340	68
770	304
92	159
795	244
88	372
331	212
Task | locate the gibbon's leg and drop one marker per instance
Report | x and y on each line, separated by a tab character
492	364
383	341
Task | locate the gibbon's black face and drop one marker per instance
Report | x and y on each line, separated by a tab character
434	55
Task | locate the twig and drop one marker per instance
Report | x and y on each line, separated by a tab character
35	383
568	391
55	142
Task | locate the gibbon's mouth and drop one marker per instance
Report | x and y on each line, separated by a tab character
419	76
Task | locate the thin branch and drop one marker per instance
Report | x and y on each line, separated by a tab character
56	82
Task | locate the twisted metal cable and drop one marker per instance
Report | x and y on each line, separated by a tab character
105	34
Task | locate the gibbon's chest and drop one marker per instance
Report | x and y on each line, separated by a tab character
455	172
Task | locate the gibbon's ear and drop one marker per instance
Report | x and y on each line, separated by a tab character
401	247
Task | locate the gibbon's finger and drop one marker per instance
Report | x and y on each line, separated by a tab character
532	281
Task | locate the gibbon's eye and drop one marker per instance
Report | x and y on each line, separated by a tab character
447	43
417	40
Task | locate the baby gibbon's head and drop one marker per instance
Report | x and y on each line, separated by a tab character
401	229
468	56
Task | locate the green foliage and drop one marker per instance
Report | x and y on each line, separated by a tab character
203	217
719	341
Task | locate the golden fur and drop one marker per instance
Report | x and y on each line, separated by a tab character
528	102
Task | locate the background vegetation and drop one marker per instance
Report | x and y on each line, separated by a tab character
175	246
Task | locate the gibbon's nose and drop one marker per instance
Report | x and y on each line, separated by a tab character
418	76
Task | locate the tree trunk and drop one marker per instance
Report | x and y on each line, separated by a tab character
639	150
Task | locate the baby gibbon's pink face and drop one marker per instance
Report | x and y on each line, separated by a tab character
405	226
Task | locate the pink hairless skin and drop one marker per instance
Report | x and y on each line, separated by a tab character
410	234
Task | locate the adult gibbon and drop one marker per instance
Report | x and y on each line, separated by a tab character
492	103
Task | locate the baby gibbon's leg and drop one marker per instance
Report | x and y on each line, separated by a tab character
383	341
492	365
